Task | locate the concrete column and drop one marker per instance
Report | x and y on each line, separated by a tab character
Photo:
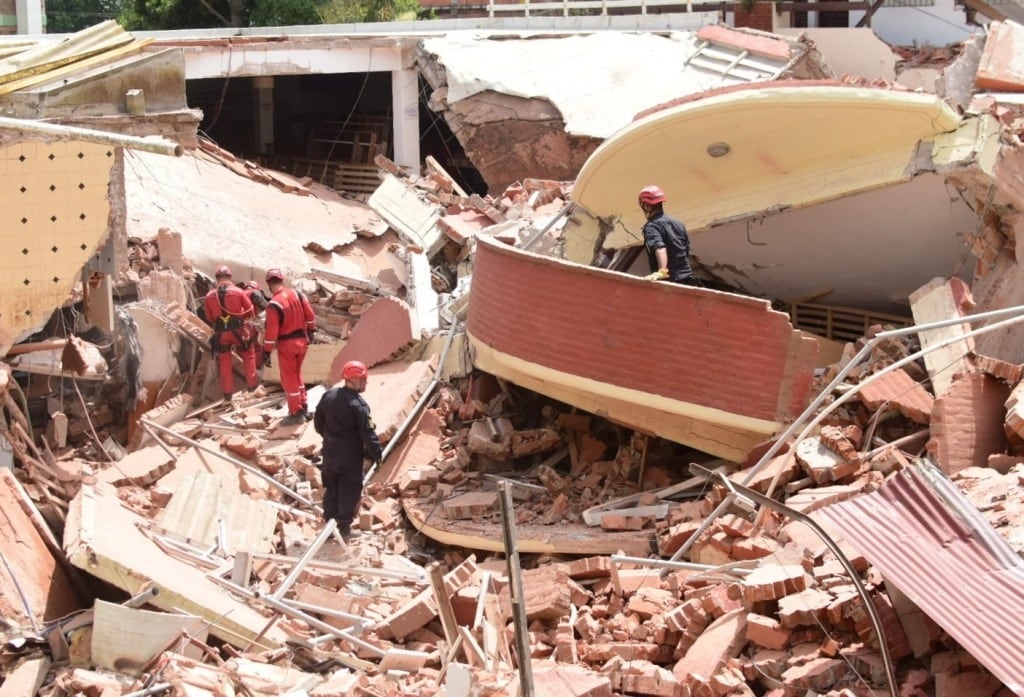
30	16
405	98
264	108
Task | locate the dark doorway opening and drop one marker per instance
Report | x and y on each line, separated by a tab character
326	127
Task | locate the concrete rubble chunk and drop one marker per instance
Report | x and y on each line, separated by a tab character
935	301
491	363
105	539
35	587
773	582
721	641
383	331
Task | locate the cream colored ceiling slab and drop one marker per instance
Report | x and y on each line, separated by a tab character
53	218
786	147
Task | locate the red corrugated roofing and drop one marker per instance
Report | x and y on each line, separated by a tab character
932	544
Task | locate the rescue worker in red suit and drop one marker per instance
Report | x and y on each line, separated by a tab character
228	310
343	419
290	325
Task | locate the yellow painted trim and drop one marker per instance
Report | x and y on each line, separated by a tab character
711	430
553	539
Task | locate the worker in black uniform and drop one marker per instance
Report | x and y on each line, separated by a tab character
342	418
666	240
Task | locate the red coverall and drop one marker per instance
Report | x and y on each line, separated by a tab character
228	310
290	322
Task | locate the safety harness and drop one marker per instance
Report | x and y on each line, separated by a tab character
228	322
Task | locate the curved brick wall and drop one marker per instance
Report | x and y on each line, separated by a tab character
716	349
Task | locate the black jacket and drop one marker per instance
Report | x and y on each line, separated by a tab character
342	417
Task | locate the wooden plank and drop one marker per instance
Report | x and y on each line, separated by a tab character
435	167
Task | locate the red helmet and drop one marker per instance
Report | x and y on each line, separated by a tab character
274	275
354	369
652	195
222	272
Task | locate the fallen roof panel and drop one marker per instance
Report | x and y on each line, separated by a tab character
759	149
104	538
926	539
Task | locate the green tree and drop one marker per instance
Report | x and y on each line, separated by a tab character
350	11
184	14
67	16
284	13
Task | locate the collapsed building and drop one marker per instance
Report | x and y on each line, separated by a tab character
670	452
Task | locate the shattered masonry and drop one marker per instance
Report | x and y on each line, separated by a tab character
164	540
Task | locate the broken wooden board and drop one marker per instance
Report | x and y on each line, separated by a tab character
563	538
103	538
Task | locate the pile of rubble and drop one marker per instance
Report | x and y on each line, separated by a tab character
165	543
756	603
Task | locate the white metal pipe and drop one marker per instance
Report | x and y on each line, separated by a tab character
310	552
1018	313
868	347
255	471
679	565
360	622
155	144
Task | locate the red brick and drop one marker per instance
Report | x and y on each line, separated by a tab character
967	422
387	327
760	16
766	632
899	390
578	321
999	69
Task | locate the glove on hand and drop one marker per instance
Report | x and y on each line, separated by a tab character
659	275
266	360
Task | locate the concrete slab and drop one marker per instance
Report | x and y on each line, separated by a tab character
104	538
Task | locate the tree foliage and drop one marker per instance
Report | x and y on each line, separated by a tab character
284	13
184	14
348	11
67	16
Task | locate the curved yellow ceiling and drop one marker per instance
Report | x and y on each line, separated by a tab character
784	146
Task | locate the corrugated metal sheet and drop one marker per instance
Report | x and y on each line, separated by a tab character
933	545
203	499
46	55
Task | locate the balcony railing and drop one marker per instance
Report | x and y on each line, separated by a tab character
568	8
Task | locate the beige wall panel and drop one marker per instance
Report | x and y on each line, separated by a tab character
53	217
